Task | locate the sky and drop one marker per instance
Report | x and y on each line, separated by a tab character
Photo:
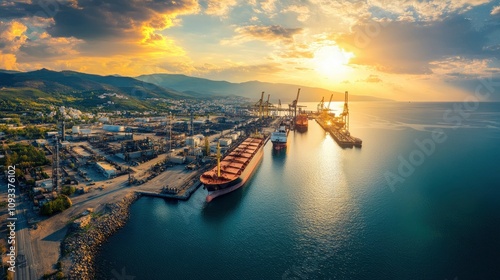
434	50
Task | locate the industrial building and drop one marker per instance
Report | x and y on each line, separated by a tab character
105	168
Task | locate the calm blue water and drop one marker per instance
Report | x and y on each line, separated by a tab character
318	211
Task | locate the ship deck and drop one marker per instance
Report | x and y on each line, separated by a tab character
233	164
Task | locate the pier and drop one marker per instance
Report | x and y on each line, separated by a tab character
343	139
338	127
180	196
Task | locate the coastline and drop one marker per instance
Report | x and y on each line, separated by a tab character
80	246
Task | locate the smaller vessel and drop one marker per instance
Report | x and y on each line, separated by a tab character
279	137
301	122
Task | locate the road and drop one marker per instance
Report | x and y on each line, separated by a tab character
26	266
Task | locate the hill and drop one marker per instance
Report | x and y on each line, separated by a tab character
80	90
251	89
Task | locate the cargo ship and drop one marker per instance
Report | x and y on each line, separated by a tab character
279	137
234	170
301	122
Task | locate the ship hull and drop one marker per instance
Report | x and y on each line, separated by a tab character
301	128
279	145
215	190
301	123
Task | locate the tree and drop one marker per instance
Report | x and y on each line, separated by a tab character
61	203
68	190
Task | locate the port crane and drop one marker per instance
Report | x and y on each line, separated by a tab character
321	105
330	102
266	106
279	107
292	107
258	105
344	116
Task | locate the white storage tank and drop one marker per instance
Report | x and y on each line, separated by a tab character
234	136
113	128
75	129
177	159
86	131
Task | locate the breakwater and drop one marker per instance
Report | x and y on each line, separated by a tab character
81	245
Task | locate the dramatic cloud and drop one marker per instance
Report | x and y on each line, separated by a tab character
455	68
406	47
117	18
12	36
219	8
373	44
302	12
264	33
47	47
422	10
95	20
8	61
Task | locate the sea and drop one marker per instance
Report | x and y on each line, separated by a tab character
419	200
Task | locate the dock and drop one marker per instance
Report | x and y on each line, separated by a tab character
343	139
337	126
183	196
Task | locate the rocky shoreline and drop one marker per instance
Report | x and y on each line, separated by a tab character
81	245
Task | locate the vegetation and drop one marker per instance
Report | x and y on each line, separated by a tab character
28	132
61	203
24	156
68	190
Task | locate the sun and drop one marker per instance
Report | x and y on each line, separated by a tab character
331	61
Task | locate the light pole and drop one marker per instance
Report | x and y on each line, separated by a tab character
169	134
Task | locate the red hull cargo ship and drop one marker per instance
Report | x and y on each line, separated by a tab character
234	170
301	122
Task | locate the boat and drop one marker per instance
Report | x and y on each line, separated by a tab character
301	122
279	137
234	170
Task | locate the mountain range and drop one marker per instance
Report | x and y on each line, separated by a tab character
70	88
252	89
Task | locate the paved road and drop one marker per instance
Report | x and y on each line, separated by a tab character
26	261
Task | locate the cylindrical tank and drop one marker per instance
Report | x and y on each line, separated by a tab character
113	128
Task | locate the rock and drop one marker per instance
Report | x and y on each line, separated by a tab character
82	245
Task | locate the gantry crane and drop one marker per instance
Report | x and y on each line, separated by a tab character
344	116
321	105
330	102
266	106
292	107
259	104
